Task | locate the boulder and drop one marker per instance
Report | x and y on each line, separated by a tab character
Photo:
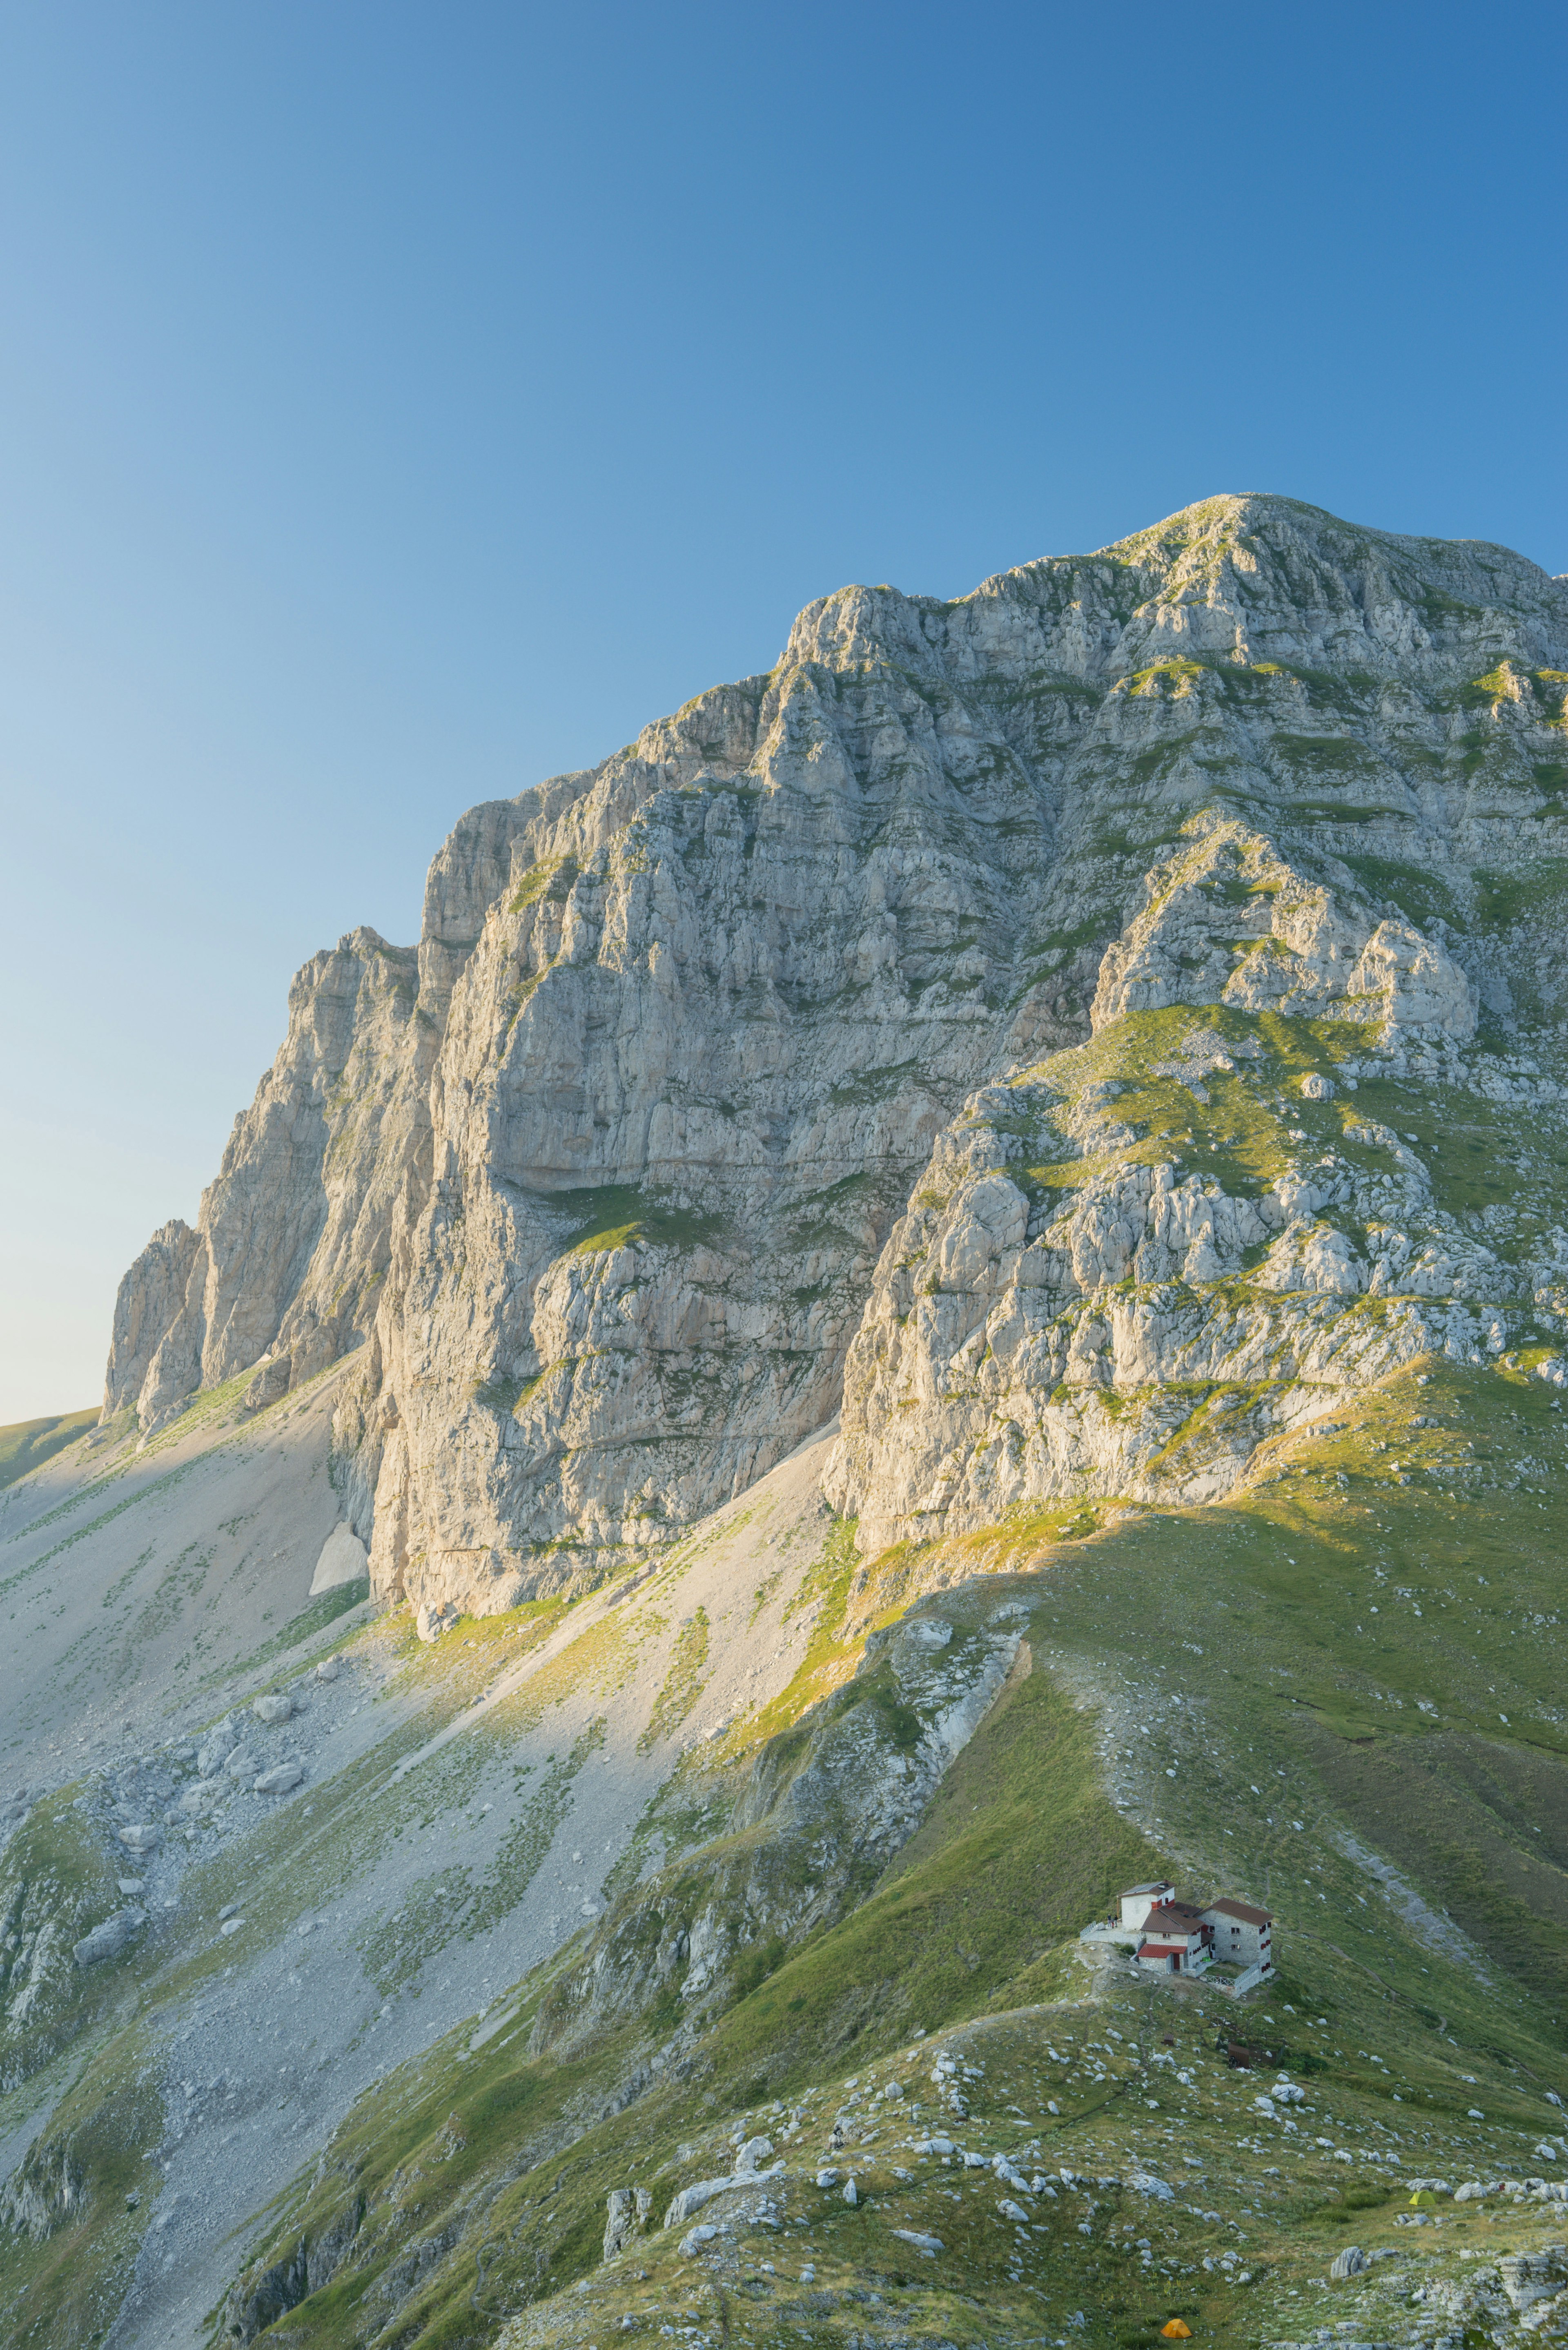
929	2245
620	2220
327	1669
242	1763
275	1706
1532	2277
1347	2263
142	1837
279	1779
268	1383
627	2215
690	2199
108	1940
217	1747
695	2238
755	2150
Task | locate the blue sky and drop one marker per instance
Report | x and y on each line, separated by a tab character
399	403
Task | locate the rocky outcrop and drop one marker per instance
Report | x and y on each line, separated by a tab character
1228	921
658	1142
820	1813
293	1239
269	2290
1126	1327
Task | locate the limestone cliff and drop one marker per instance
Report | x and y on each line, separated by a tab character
986	1021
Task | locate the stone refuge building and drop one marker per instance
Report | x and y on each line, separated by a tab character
1173	1937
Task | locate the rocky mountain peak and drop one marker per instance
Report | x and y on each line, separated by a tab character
615	1188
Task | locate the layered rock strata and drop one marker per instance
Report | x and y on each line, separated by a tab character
798	1036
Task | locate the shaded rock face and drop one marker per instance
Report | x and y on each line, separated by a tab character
711	1096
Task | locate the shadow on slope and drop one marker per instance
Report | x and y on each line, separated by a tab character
28	1443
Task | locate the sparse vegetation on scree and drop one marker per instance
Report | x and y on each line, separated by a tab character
686	1944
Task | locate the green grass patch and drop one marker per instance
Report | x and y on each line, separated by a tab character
27	1444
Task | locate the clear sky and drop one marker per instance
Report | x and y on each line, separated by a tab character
398	403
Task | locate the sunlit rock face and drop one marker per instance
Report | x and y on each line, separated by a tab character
969	1026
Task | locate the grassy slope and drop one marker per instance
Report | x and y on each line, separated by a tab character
28	1443
1249	1614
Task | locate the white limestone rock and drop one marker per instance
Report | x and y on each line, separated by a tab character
711	1092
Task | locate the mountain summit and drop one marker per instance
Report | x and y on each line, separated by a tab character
787	1040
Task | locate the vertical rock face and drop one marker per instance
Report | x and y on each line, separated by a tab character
827	1025
294	1236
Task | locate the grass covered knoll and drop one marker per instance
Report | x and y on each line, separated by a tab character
28	1443
1298	1697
